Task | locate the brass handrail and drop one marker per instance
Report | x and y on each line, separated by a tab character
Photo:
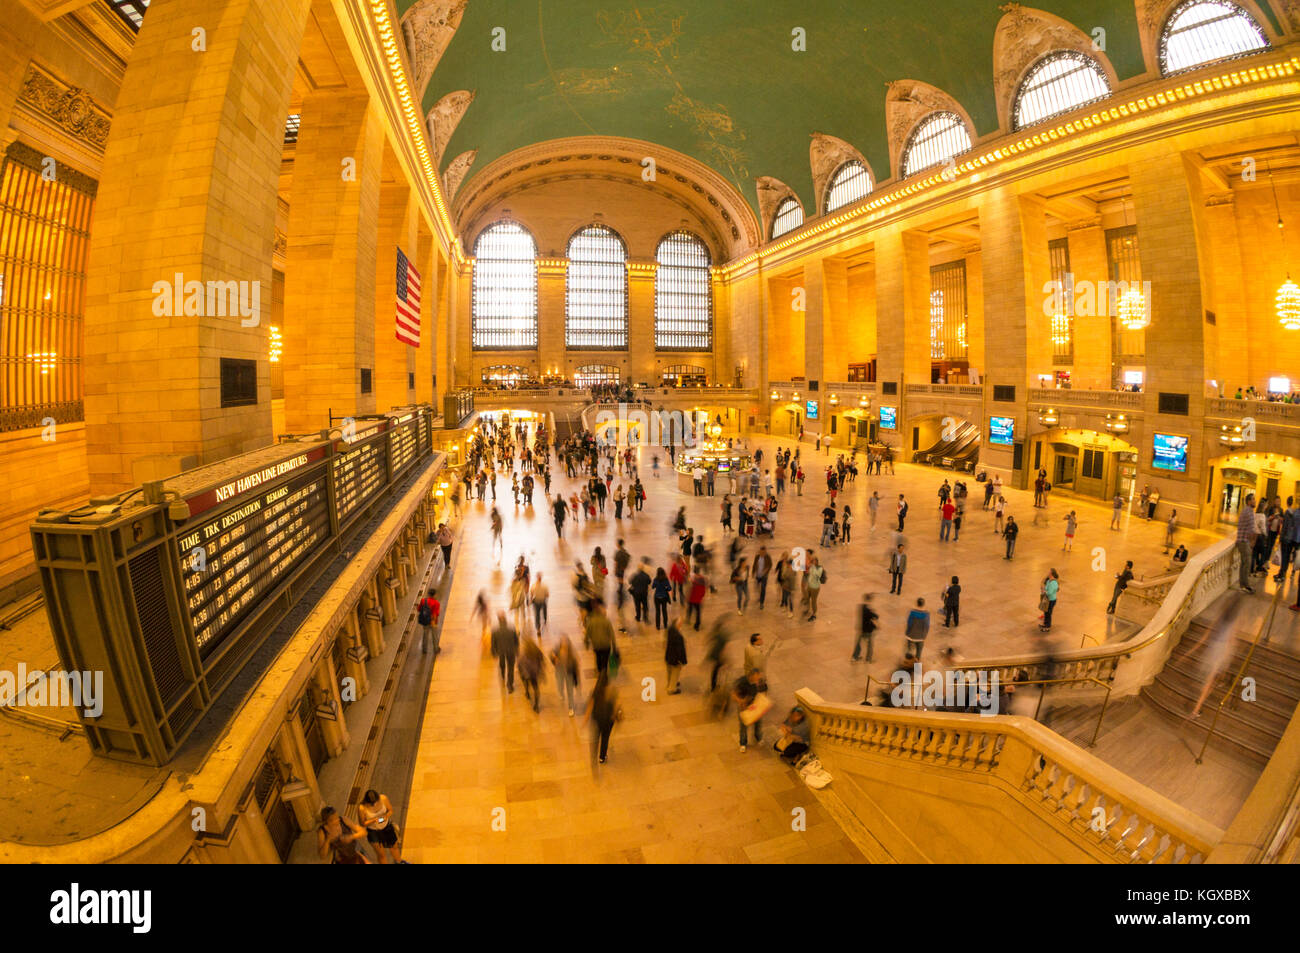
1265	626
1044	682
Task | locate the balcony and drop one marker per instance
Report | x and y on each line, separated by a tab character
959	391
1262	411
1099	399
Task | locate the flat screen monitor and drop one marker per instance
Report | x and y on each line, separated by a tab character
1002	431
888	418
724	465
1169	452
811	409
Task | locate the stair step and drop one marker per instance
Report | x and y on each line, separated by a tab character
1274	702
1231	725
1225	734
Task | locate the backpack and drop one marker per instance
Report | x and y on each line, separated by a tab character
426	613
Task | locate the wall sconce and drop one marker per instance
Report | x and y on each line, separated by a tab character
776	395
1116	423
1231	436
795	397
862	401
834	401
1049	417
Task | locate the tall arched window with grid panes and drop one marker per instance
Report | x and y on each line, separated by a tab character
683	294
595	301
503	299
1059	82
850	183
936	139
1203	31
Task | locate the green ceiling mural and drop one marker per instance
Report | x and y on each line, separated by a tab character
719	80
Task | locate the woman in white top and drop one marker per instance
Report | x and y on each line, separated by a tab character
376	813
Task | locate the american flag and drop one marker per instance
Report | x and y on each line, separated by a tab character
408	302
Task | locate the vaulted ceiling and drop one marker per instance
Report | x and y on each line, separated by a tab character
717	80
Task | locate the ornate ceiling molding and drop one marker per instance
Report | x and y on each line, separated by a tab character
1023	36
771	193
713	197
67	108
825	155
443	119
1289	11
456	173
428	28
907	103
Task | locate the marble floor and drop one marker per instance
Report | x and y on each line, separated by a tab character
496	782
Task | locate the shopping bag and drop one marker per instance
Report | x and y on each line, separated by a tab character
757	708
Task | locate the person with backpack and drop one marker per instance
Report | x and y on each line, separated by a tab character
917	628
867	617
952	604
427	616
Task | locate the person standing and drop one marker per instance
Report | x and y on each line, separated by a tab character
538	597
947	510
785	578
902	511
1170	525
559	513
505	646
663	594
602	712
957	515
1010	534
952	604
828	523
675	655
814	578
988	493
1246	540
798	478
762	568
697	476
1071	524
740	580
639	586
1122	579
1117	508
756	655
699	586
710	475
999	512
427	616
897	566
376	815
846	524
622	558
873	505
1051	587
917	628
619	497
748	688
867	617
1290	538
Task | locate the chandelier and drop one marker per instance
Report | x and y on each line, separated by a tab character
1132	310
1060	330
1288	296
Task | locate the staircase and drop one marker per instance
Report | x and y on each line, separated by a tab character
1251	728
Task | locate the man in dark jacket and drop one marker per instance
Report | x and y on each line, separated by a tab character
675	655
866	629
951	604
621	559
505	646
1010	534
640	589
762	568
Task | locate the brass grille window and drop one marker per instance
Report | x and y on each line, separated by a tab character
595	308
1125	276
44	241
948	312
591	374
1062	317
683	294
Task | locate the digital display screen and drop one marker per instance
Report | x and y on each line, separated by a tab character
812	409
1170	452
1002	430
888	418
724	465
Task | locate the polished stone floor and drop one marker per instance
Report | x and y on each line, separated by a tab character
676	787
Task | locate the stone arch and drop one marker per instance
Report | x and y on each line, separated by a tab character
906	104
771	193
825	155
1024	36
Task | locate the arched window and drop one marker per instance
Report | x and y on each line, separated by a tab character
683	294
789	216
595	302
504	374
936	139
590	374
504	288
1202	31
1059	82
849	184
684	375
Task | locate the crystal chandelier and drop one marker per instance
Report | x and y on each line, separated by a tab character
1132	310
1288	296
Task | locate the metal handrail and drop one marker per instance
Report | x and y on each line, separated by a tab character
1265	626
1044	682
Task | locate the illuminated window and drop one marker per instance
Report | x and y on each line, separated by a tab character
277	345
1057	83
1062	327
1202	31
789	216
590	374
936	139
948	312
291	127
683	294
504	288
684	375
504	374
595	303
44	237
132	11
849	184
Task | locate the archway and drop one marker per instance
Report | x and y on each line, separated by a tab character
1088	462
945	440
1236	475
684	375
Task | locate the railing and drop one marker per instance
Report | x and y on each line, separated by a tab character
962	391
1230	691
1129	665
851	387
1269	411
1102	813
1108	399
31	416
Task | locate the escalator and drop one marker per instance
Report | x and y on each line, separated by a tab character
959	451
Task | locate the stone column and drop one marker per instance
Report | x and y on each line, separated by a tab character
335	730
291	747
188	190
329	308
551	351
641	324
902	322
431	345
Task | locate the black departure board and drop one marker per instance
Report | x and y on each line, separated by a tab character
359	474
233	558
403	445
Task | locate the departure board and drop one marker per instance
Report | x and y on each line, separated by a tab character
234	558
403	445
359	473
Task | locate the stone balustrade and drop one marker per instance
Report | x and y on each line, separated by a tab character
1101	399
1053	800
1226	408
